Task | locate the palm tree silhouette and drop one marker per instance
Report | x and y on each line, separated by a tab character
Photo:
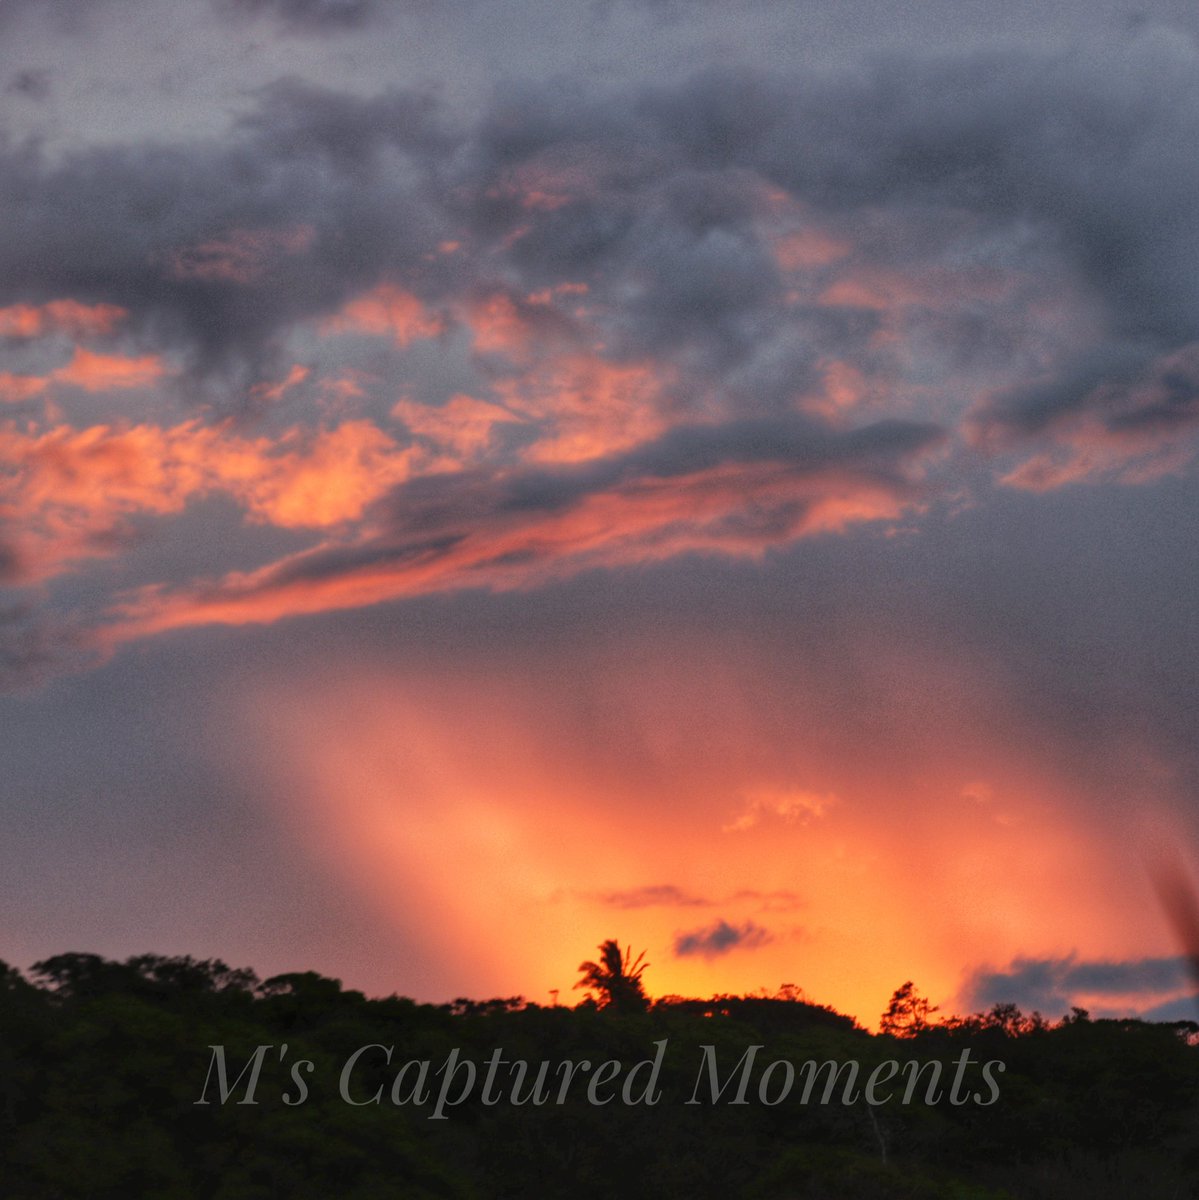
616	978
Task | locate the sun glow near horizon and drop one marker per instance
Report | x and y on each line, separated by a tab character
504	835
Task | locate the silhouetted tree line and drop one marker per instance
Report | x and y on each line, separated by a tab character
101	1064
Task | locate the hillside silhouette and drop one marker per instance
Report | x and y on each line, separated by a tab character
102	1064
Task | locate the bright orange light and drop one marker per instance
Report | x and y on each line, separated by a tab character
484	817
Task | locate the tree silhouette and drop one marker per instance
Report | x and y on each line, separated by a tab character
616	978
907	1014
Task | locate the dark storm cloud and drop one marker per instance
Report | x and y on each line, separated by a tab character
1129	398
1032	408
655	195
587	188
298	120
118	224
651	199
1084	150
1052	985
720	938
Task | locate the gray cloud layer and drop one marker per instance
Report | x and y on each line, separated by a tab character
1051	985
656	187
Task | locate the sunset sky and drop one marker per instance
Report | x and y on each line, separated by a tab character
478	479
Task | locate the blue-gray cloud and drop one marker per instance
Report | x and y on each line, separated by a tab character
720	938
1052	985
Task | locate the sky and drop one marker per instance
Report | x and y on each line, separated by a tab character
481	479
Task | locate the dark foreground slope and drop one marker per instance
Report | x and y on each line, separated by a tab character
102	1065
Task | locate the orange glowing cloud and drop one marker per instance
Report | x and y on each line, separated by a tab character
386	311
1087	453
517	326
108	372
88	371
462	425
583	405
845	389
329	479
807	248
271	392
586	406
737	509
929	287
67	492
16	388
59	316
496	325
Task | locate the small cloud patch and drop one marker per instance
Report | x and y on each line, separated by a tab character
720	938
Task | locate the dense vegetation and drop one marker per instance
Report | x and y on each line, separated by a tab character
101	1065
